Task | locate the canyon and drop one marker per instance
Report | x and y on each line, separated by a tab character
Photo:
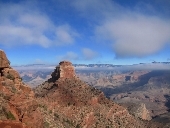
63	100
144	92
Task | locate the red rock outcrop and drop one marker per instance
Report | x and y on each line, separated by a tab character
4	62
17	101
64	70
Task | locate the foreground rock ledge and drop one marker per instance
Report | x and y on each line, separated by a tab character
18	106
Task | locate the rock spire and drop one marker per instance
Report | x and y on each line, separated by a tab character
65	69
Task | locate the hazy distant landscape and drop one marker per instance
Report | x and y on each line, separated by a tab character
128	85
34	74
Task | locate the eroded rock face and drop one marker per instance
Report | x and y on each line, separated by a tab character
17	101
4	62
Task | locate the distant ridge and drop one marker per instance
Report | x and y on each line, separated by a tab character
142	66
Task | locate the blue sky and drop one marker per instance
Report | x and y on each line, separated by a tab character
85	31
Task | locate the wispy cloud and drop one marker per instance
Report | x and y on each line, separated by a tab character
85	54
71	56
65	34
21	25
89	54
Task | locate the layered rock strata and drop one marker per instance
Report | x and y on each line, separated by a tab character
65	69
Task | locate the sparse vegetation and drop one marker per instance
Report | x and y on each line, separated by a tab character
13	89
50	111
78	126
11	77
56	116
9	115
4	96
1	94
46	124
43	106
68	122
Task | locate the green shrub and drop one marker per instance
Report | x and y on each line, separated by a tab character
50	111
68	122
46	124
78	126
11	77
43	106
13	89
6	97
10	116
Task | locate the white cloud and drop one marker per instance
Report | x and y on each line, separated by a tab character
89	54
65	34
136	35
70	56
21	25
85	54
